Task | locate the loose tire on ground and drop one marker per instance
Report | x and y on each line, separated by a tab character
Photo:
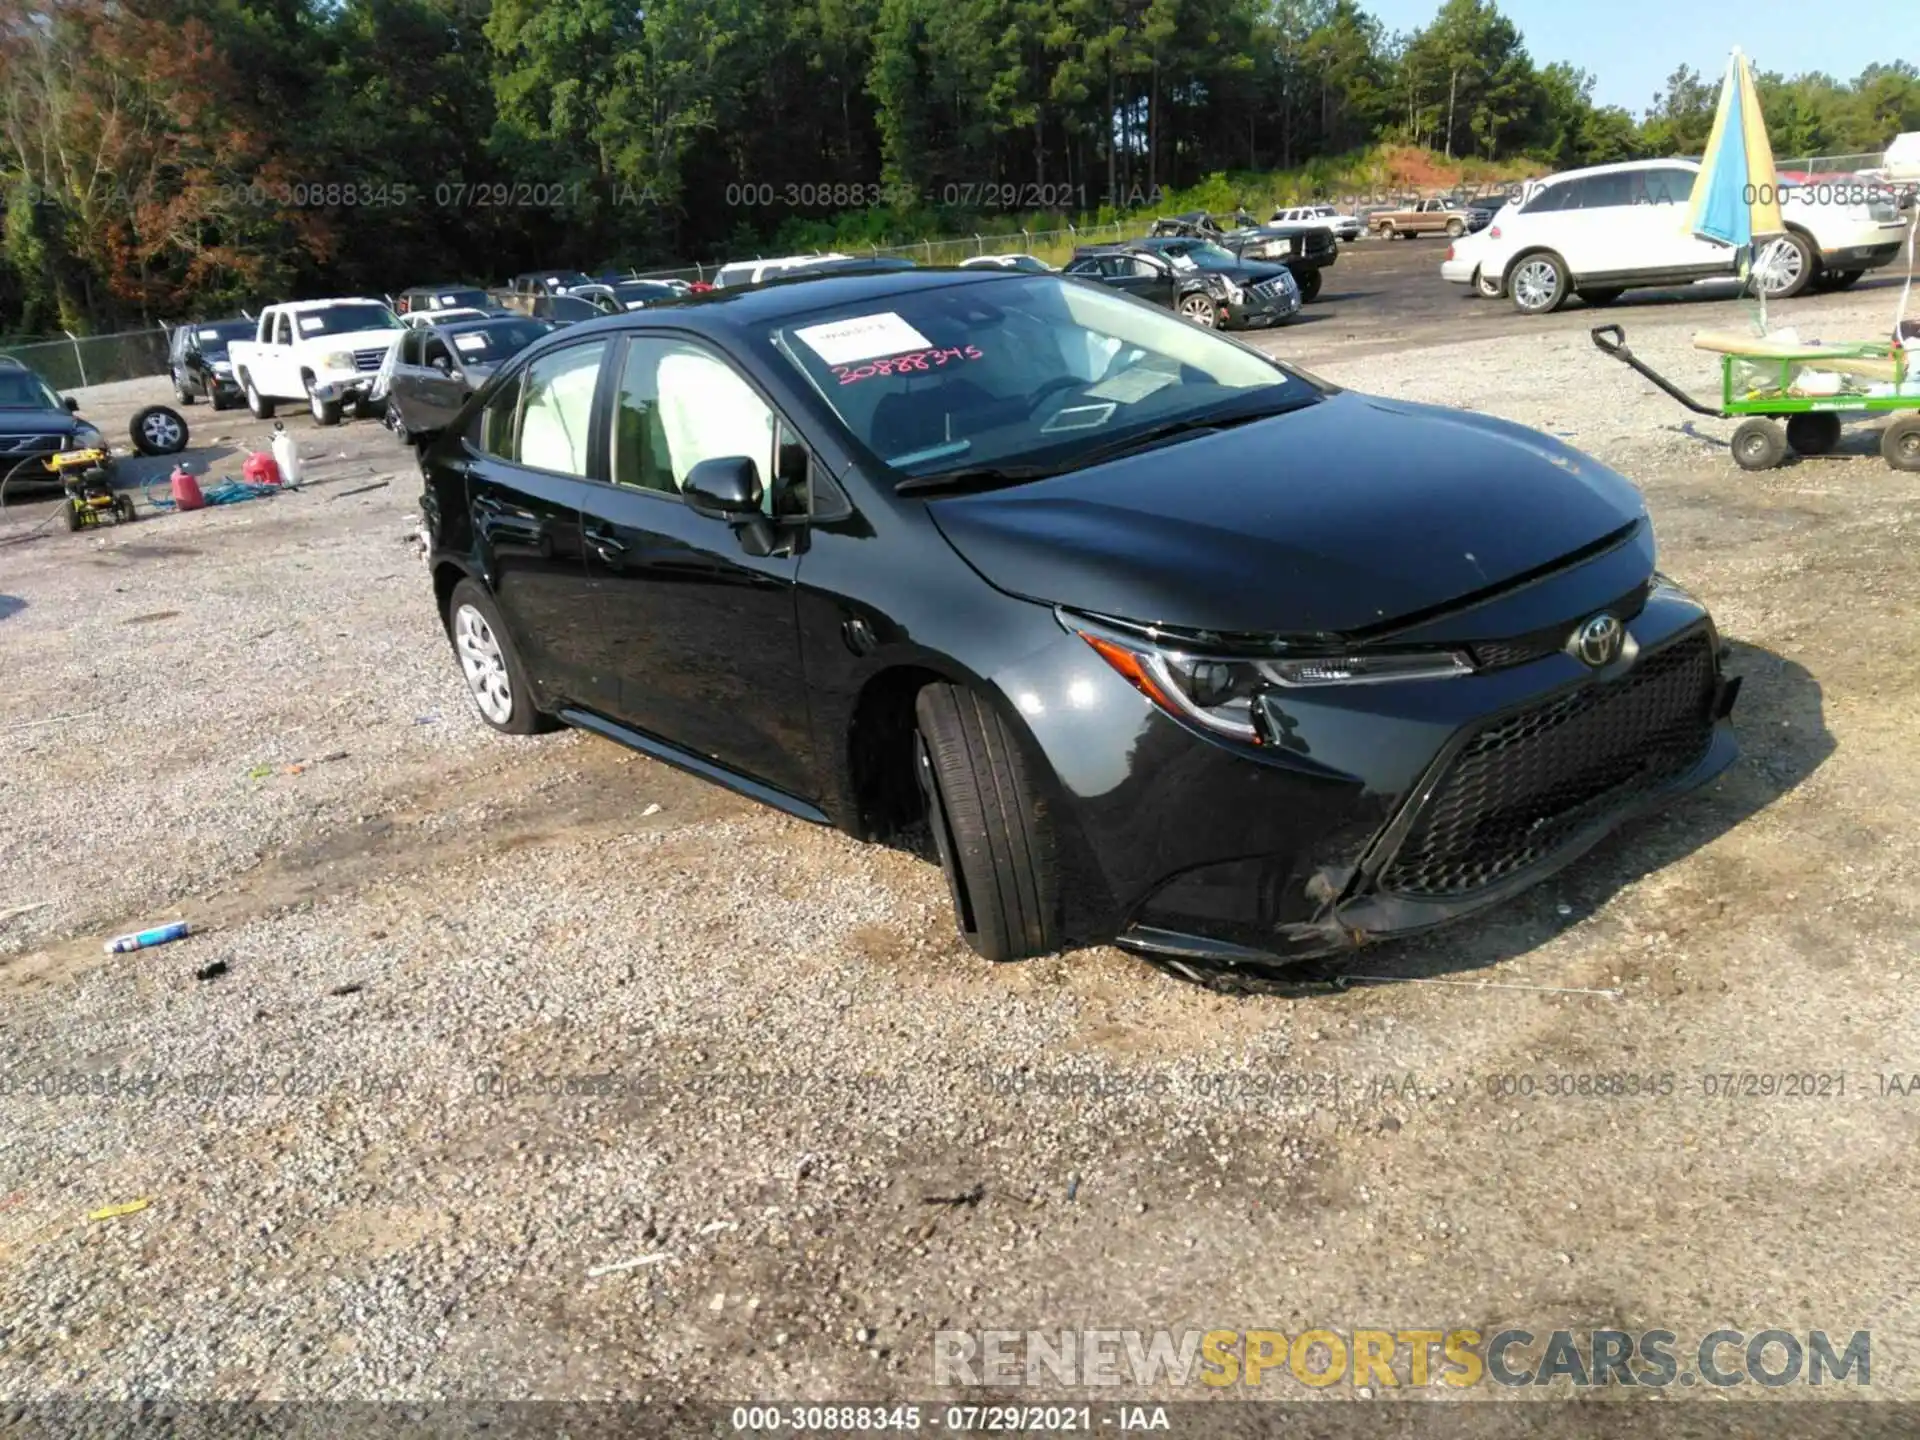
158	430
990	823
1900	443
496	680
1814	433
1759	444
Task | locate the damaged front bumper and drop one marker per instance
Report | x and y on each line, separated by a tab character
355	388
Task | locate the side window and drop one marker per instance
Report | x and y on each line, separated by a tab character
282	330
500	422
679	404
1143	269
1668	185
436	353
556	411
1550	198
409	348
792	493
1607	192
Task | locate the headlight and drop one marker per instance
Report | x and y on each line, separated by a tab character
86	437
337	360
1234	293
222	367
1218	692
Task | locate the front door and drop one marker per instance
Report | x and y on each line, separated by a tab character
526	480
702	634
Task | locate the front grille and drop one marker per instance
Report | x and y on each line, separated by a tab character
1524	785
1537	644
1269	290
369	359
15	446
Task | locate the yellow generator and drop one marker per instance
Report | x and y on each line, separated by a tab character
90	496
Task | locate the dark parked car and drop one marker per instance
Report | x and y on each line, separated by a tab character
623	295
442	297
847	265
1304	247
1196	277
547	282
433	369
197	361
562	309
1068	580
35	423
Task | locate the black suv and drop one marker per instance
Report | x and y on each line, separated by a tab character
1304	248
197	361
36	423
1208	285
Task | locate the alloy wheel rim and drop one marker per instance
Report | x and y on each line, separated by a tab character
1535	283
161	431
484	663
1197	309
1792	262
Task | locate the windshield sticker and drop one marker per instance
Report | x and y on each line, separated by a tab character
309	324
1131	385
865	337
1079	417
449	299
932	358
472	343
209	334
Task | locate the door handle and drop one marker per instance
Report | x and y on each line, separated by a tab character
604	545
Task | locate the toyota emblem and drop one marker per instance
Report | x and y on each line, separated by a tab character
1597	642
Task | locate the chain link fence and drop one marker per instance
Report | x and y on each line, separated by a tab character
81	360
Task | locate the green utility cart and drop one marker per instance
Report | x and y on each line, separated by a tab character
1812	388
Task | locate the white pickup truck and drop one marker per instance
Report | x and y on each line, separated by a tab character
325	352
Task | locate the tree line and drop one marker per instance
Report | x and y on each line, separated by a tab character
167	157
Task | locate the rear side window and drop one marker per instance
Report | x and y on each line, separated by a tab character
500	421
1606	192
1550	198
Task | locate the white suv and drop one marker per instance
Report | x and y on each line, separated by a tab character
1344	227
1599	232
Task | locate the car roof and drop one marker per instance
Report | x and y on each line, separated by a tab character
1620	167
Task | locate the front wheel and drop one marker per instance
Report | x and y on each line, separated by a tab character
990	824
1759	444
1539	283
181	391
258	405
496	680
1790	269
1455	229
1200	309
1309	284
325	412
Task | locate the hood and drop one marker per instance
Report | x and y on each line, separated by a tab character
353	340
37	422
1334	519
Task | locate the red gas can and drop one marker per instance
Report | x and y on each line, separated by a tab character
261	469
186	489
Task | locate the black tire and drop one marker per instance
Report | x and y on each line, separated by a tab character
1759	444
1488	287
1598	298
1455	229
1805	265
324	412
1538	283
123	507
1900	443
74	520
990	823
521	716
1814	433
369	409
218	401
1309	284
258	405
158	430
1839	279
1198	307
181	391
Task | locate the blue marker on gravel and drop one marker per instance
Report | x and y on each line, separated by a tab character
140	940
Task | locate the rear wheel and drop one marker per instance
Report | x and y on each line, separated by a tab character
1456	228
1488	286
496	680
1538	283
990	824
1759	444
1814	433
123	508
1309	283
1200	309
1900	443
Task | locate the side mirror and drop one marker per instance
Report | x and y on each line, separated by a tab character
73	405
727	488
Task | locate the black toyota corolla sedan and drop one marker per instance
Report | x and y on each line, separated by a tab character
1170	643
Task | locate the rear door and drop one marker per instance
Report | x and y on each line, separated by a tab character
528	462
1601	233
701	633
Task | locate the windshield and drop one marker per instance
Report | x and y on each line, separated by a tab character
644	291
23	390
1021	370
1203	255
211	340
344	319
494	341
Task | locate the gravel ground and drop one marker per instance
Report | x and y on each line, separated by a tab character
365	1176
